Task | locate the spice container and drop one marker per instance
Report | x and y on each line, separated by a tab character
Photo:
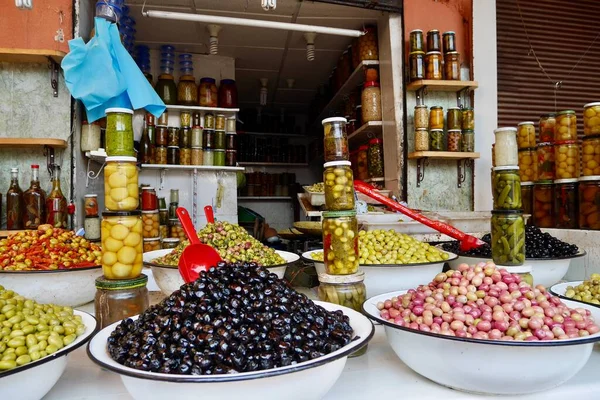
527	199
506	188
339	186
363	162
196	140
566	203
160	155
468	141
220	122
468	119
90	204
528	164
505	150
547	124
590	149
436	117
545	161
340	242
367	44
209	122
421	119
452	66
371	102
416	40
185	118
176	230
230	158
436	140
375	158
173	155
119	132
185	137
449	40
543	204
219	158
421	140
453	116
170	243
90	137
196	156
589	202
120	299
91	226
149	199
508	237
591	119
219	140
121	244
416	63
433	40
151	245
526	135
151	223
208	157
433	65
173	137
335	139
566	126
454	138
207	93
121	191
161	136
228	94
566	159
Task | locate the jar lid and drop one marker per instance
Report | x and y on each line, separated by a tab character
161	127
172	147
207	80
560	142
436	107
174	221
221	115
333	119
371	84
228	81
133	213
118	110
171	240
453	108
420	129
336	163
220	130
338	214
432	31
505	129
449	33
417	30
591	137
528	149
589	178
527	183
564	112
468	131
375	141
545	144
90	195
506	212
591	104
121	159
150	211
421	106
433	52
517	269
416	53
148	188
121	284
436	130
568	180
342	279
91	216
209	131
363	147
451	53
151	239
453	130
545	182
525	123
506	168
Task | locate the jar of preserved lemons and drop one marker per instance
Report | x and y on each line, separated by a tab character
340	242
566	159
591	119
589	202
121	191
566	125
122	244
339	186
590	149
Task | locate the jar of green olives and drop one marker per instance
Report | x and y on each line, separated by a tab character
340	242
508	237
335	139
436	139
339	186
506	188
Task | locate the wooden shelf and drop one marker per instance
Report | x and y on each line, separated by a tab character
32	142
218	110
441	86
271	164
30	55
369	130
264	198
443	155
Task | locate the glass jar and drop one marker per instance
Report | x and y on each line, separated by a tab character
468	118
416	40
339	186
566	159
149	199
176	230
170	243
119	132
566	203
90	205
416	63
209	122
173	155
493	154
163	120
208	157
436	118
449	41
543	204
151	223
160	155
591	119
90	137
590	150
173	137
526	135
161	137
453	116
207	93
454	139
120	299
527	200
335	139
421	139
363	163
230	158
589	202
367	44
146	146
508	237
166	89
566	125
219	158
436	140
506	151
545	161
122	245
231	141
468	141
228	96
506	188
340	242
185	137
421	119
528	164
371	102
187	91
220	122
196	156
121	192
151	245
547	124
375	159
230	125
208	139
91	226
185	156
433	40
219	140
433	64
452	66
185	119
196	137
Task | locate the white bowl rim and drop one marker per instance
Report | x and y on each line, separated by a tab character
451	257
580	253
242	376
553	290
295	258
538	343
50	271
153	265
77	343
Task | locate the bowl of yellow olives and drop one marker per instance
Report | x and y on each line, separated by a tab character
587	292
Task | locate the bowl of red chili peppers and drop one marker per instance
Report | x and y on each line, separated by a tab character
50	265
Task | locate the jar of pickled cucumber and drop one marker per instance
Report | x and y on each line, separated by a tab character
453	116
449	41
590	155
508	237
335	139
566	203
121	191
436	140
363	162
524	271
566	125
527	200
506	149
340	242
454	139
416	65
506	188
528	164
566	159
421	119
468	141
416	40
122	244
375	159
526	135
339	186
452	66
591	119
433	40
543	204
433	65
589	202
547	124
421	139
545	161
468	118
436	117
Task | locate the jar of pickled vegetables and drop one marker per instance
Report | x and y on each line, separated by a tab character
545	161
547	124
371	102
208	157
207	93
173	137
119	132
339	186
335	139
468	141
121	192
122	244
436	117
454	139
449	41
367	44
363	163
436	140
91	227
228	95
170	243
151	223
468	118
196	139
528	164
589	202
421	139
526	135
187	91
185	137
505	149
416	40
433	40
453	116
527	199
590	149
566	203
152	244
120	299
452	66
433	65
219	158
591	119
160	155
163	120
173	155
161	136
506	188
375	159
543	204
416	65
209	122
508	237
185	118
566	125
566	159
421	117
340	242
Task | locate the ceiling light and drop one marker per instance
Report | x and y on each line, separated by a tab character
263	91
310	45
214	30
269	5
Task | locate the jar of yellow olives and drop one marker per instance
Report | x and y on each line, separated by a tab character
566	159
591	119
526	135
566	125
528	164
340	242
339	186
121	191
590	149
122	244
433	65
589	202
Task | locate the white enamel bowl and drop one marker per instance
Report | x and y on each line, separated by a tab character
65	287
169	280
487	366
385	277
32	381
561	288
304	381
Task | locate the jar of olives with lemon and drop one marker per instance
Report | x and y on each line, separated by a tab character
121	191
340	242
339	186
122	244
591	119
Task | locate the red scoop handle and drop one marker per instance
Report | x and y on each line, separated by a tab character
209	214
188	226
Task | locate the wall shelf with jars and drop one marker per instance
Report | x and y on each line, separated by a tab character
271	164
461	88
464	160
220	110
13	142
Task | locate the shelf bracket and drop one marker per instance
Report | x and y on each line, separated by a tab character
421	164
163	173
91	174
49	153
421	95
461	95
461	168
53	66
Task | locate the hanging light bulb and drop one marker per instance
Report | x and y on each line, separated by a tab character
269	5
263	91
213	31
310	45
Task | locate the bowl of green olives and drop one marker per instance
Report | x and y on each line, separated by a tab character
586	292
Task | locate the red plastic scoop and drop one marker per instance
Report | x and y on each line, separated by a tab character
196	257
467	242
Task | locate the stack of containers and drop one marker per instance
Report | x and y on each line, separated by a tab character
220	145
127	31
566	170
342	283
165	86
142	58
185	138
417	55
208	139
230	142
589	182
543	188
527	163
187	91
150	219
111	10
196	143
430	63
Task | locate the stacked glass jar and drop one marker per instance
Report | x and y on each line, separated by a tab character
589	182
436	61
230	142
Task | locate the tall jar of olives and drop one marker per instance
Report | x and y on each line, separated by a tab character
340	242
339	186
335	139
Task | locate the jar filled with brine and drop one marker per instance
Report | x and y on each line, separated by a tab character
363	162
185	119
506	149
506	188
196	140
547	124
508	237
119	132
220	122
207	93
416	40
468	118
527	199
421	117
526	135
416	65
371	102
566	203
367	44
196	156
209	121
590	155
453	116
433	65
468	141
566	159
160	155
208	139
545	161
230	158
543	204
165	86
219	158
185	137
120	299
122	245
433	40
421	139
528	164
565	127
173	155
454	140
187	92
375	159
173	137
185	156
591	119
161	136
436	117
335	139
436	140
452	66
